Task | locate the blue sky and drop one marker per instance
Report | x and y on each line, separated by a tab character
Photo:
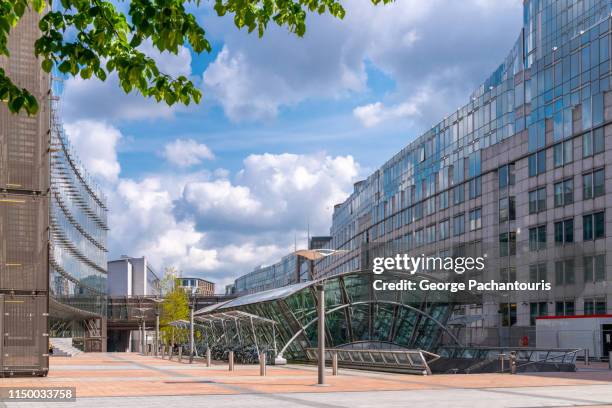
285	127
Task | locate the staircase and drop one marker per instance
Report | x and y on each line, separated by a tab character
62	346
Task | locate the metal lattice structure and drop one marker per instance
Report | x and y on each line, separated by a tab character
355	314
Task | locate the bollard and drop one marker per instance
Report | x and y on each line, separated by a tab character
501	362
262	364
180	354
208	357
335	363
231	360
513	362
586	357
162	351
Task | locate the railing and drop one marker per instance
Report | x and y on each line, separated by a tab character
407	361
523	354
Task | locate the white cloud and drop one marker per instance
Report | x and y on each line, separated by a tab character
272	192
187	152
221	227
373	114
96	144
414	42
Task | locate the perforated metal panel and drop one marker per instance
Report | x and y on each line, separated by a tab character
24	333
24	139
23	243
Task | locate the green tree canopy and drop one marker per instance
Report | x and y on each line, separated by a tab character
92	38
174	307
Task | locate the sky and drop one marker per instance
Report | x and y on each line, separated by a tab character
285	127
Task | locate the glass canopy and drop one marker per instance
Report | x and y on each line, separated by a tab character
357	316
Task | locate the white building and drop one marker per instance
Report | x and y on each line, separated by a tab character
129	276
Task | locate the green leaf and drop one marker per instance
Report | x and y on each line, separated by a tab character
47	65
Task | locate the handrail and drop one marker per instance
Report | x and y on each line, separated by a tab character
415	361
573	353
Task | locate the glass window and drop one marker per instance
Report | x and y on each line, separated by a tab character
537	309
458	225
598	109
475	219
444	229
600	268
564	192
593	226
587	144
593	184
507	243
475	188
537	200
564	232
593	142
537	238
563	153
430	206
537	163
430	234
418	211
506	175
418	237
598	183
458	194
443	200
507	211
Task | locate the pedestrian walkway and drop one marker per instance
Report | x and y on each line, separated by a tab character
128	379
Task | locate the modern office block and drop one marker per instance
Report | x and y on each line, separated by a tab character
520	173
78	242
130	276
289	270
196	286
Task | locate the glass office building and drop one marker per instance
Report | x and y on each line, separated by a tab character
520	173
77	256
289	270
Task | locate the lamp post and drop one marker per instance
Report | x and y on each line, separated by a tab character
313	255
191	311
157	301
142	336
321	332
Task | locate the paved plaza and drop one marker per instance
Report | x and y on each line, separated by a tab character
128	379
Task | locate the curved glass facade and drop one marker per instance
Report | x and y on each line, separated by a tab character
78	223
356	314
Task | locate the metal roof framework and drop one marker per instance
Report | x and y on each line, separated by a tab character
233	329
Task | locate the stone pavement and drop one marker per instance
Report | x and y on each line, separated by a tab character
128	379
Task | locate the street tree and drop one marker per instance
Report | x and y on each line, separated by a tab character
174	307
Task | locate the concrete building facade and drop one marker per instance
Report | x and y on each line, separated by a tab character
130	276
196	286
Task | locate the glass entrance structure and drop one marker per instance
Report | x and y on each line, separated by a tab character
357	316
